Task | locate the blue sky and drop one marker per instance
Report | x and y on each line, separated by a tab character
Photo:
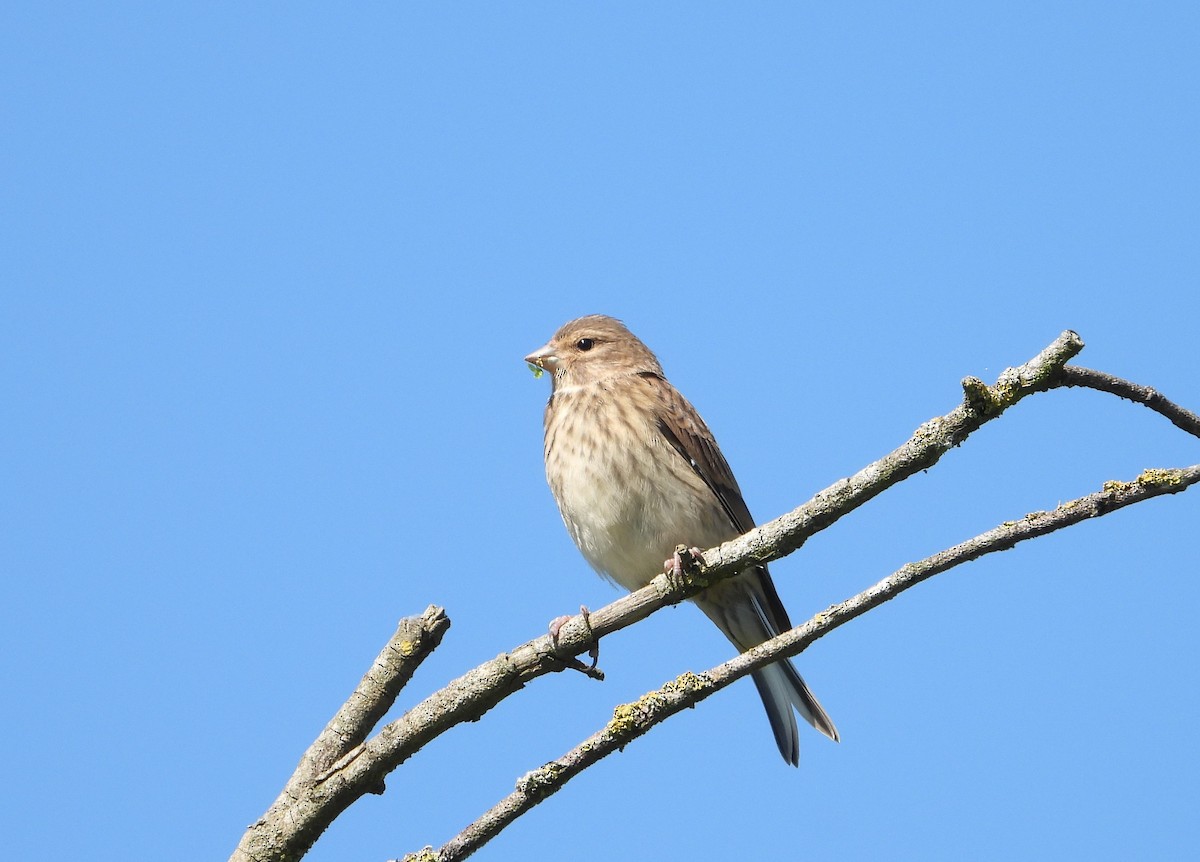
269	273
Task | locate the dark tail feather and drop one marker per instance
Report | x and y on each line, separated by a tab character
807	704
779	713
737	613
781	688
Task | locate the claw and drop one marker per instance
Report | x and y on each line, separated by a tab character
675	565
591	670
556	625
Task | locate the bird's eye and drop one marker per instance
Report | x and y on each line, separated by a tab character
585	344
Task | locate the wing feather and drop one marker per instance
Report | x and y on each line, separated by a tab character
682	427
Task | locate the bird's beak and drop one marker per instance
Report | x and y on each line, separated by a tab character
544	357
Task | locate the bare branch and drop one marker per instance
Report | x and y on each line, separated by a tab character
415	639
633	720
981	404
1073	375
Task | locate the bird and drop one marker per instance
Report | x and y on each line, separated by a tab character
635	472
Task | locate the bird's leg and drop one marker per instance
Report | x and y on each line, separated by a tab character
594	652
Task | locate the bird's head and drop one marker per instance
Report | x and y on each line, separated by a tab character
591	349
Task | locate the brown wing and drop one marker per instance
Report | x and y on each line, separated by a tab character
682	427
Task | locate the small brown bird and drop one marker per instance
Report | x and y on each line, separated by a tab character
636	472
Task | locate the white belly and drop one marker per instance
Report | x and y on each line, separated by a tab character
628	507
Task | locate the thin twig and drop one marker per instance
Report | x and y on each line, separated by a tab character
1073	375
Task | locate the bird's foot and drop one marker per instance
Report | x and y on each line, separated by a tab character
556	625
591	670
677	564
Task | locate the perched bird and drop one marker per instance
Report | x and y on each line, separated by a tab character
635	472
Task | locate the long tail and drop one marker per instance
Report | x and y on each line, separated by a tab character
782	688
740	616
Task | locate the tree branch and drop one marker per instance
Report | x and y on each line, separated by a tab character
1073	375
633	720
981	403
415	639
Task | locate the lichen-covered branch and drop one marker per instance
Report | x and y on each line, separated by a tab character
633	720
